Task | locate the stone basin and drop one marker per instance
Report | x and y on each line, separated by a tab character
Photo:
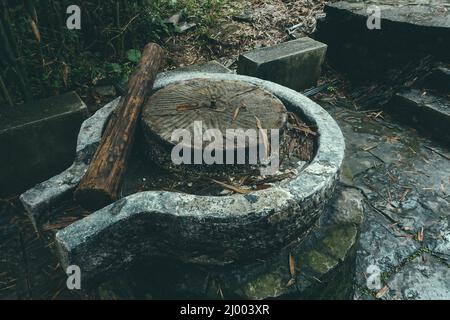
205	230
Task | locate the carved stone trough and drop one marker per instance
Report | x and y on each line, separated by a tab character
200	230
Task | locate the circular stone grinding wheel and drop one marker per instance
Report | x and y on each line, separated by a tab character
217	104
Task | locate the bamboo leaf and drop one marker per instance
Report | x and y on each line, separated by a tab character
5	92
232	188
291	265
36	32
382	292
264	136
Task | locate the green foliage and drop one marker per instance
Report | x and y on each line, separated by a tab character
133	55
50	59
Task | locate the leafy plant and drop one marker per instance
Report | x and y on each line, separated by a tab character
40	57
133	55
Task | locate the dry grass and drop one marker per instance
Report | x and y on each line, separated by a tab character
265	25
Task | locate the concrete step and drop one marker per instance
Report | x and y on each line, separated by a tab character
295	64
38	140
407	32
439	79
427	112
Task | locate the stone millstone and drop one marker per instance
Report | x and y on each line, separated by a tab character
204	230
218	104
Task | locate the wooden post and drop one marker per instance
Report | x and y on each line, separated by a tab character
101	183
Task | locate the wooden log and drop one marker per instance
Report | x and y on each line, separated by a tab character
101	183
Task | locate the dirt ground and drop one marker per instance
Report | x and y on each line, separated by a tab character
243	26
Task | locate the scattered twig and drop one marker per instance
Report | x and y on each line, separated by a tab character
232	188
438	152
420	235
320	88
273	179
292	270
264	136
374	155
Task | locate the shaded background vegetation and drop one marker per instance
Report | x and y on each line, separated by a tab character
40	57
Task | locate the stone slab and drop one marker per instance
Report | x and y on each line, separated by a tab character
424	278
45	196
404	195
409	30
430	13
427	112
439	79
38	140
295	64
381	246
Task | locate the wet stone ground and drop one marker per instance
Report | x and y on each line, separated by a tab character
404	177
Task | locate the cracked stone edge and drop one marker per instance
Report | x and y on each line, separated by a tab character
304	195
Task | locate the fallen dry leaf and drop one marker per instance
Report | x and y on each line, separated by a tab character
186	107
264	136
305	130
232	188
65	74
36	32
300	126
236	113
291	265
291	282
382	292
263	186
392	139
420	235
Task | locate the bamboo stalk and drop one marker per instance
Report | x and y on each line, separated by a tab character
31	9
13	61
6	44
120	48
5	92
47	18
29	5
7	27
57	9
